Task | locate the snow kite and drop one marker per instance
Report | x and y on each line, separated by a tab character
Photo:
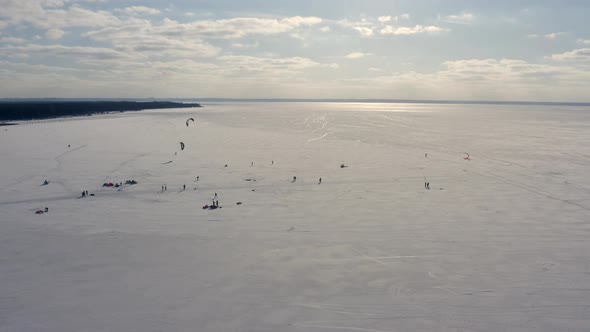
189	119
466	157
181	146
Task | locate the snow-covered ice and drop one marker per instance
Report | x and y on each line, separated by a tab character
499	243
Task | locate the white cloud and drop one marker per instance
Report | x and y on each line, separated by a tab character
390	30
236	27
241	64
480	79
388	18
177	39
352	24
242	45
54	34
581	55
374	69
583	41
168	39
356	55
46	14
365	32
325	29
74	52
297	36
463	18
12	40
139	11
553	35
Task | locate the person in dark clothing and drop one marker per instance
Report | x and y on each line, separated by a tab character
184	187
83	194
320	181
428	185
294	179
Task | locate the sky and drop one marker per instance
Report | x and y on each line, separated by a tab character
386	49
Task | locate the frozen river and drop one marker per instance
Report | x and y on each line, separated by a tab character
499	242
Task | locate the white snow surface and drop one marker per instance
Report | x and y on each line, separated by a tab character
500	242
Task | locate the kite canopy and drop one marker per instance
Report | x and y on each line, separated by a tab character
467	156
181	146
188	120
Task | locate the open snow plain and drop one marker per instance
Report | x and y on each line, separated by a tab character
500	242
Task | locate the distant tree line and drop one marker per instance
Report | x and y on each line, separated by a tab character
46	110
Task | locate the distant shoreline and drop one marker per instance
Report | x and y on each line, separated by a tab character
39	110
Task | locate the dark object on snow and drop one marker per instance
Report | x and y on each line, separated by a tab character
238	203
343	166
46	209
181	146
39	212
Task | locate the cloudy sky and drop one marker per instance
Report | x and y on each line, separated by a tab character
410	49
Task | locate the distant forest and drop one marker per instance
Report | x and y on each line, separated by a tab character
29	110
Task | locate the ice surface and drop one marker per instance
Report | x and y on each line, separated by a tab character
499	243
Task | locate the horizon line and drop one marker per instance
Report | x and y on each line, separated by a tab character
333	100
